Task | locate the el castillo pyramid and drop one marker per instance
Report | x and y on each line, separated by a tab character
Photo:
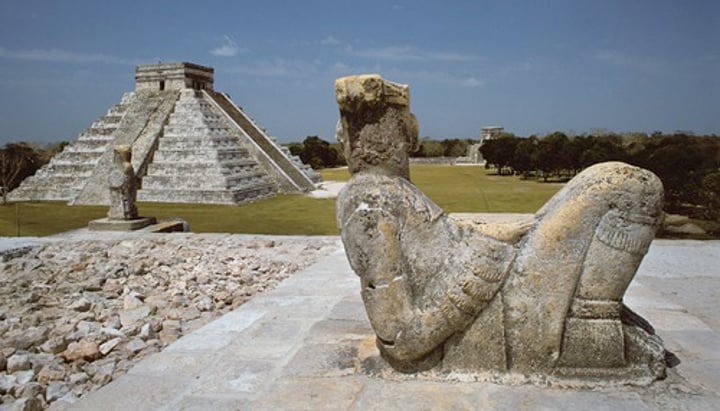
190	144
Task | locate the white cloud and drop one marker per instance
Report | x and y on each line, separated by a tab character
56	55
472	82
407	53
228	49
330	41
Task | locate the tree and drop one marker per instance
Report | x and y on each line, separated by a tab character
341	160
454	147
525	156
576	147
500	151
553	154
17	161
429	148
295	148
711	194
318	153
50	150
600	149
681	162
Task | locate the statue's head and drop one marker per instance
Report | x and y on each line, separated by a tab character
376	128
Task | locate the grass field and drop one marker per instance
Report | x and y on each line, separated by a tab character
454	188
472	189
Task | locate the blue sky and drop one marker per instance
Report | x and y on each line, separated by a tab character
530	66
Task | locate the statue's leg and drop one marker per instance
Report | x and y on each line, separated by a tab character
587	243
593	330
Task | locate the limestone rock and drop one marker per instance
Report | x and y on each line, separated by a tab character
27	404
8	383
39	325
111	332
24	377
135	345
32	389
40	360
86	328
51	372
18	362
146	332
78	378
82	350
132	301
54	345
64	403
55	390
82	305
101	374
109	345
27	338
130	317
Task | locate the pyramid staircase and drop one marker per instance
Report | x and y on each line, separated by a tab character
269	151
66	174
201	159
140	128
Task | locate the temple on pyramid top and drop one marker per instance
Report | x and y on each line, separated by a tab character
173	76
190	144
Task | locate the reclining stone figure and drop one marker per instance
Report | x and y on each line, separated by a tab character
447	296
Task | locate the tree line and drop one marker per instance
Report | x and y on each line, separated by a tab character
21	160
688	165
319	153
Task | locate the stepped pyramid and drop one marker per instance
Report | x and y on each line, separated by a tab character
190	144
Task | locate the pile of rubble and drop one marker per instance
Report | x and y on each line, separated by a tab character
75	315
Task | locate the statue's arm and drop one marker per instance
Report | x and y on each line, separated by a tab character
405	330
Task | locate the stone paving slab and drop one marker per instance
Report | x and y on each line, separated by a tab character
298	347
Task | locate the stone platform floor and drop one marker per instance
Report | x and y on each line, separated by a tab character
297	348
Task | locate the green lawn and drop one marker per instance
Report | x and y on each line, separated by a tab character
472	189
455	188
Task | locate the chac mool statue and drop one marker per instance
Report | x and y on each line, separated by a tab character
446	296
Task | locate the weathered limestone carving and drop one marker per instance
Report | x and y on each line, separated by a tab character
447	296
123	185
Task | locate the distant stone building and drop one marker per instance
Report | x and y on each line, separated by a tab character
486	134
490	133
190	144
